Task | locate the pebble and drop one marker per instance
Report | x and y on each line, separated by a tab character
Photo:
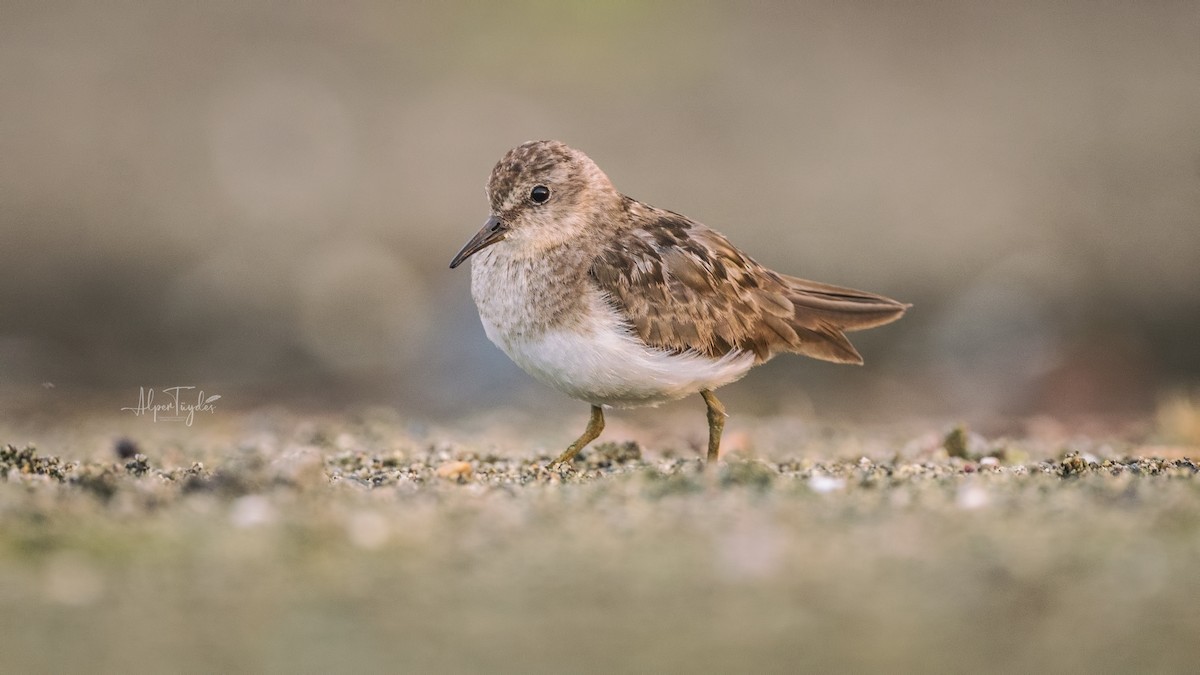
455	470
825	484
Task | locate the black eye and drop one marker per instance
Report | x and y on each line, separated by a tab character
539	194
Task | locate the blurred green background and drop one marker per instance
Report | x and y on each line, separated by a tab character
260	198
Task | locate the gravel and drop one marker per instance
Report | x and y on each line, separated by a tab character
364	542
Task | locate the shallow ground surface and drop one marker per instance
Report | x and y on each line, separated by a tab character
363	542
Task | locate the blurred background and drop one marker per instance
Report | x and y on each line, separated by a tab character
260	199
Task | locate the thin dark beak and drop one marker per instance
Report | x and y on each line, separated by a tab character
493	231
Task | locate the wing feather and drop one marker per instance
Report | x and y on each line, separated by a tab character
685	287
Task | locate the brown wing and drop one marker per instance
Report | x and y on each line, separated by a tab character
685	287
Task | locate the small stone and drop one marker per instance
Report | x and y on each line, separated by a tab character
955	442
138	465
822	484
1073	465
455	470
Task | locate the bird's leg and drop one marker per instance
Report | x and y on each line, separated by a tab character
716	424
594	427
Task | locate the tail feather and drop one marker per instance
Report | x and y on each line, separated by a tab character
827	343
823	313
845	308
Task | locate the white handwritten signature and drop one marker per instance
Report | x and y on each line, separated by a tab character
175	410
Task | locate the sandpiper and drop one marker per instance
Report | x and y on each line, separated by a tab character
618	303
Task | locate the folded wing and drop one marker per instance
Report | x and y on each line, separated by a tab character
684	287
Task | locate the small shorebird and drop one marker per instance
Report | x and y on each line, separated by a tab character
618	303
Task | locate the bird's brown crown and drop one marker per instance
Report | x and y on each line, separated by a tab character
572	179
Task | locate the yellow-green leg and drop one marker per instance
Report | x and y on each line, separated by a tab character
594	427
716	424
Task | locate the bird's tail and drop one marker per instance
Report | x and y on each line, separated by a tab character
824	313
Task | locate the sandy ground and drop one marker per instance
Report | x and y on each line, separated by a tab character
273	541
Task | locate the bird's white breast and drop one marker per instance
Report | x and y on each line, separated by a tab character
591	355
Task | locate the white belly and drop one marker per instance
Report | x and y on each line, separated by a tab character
602	363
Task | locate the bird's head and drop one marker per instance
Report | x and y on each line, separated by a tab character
543	194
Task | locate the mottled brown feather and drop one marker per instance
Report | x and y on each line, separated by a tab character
685	287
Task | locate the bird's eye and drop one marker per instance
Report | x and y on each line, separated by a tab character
539	194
